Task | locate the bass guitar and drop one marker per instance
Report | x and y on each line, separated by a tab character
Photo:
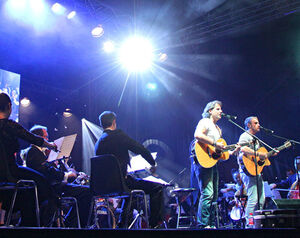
249	160
208	155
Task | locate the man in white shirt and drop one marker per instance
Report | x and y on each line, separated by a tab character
208	132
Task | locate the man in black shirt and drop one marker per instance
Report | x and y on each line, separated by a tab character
116	142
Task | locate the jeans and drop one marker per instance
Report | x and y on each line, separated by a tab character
207	182
251	186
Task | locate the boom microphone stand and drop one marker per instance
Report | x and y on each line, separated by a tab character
271	132
255	141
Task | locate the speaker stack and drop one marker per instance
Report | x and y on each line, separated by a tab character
287	215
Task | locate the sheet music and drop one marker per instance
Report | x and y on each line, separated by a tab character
64	145
156	180
139	163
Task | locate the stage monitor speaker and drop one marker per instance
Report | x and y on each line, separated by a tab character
277	218
287	203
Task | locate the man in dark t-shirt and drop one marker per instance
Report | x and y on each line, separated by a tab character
115	141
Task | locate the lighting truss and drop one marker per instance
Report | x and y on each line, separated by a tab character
232	20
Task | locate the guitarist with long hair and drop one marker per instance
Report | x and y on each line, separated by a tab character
208	132
252	126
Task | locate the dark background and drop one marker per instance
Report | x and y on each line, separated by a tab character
252	68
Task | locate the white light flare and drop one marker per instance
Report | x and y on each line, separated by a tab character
136	54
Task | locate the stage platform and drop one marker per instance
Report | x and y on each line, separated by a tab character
144	233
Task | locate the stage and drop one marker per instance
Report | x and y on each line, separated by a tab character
162	233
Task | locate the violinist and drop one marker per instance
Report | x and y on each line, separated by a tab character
36	158
79	178
294	192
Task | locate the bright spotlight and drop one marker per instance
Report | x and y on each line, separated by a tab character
108	46
58	9
162	57
16	5
136	54
98	31
67	113
25	102
151	86
71	15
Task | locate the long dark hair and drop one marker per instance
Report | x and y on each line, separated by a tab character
5	102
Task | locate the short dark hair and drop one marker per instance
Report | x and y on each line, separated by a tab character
247	121
5	102
106	119
38	130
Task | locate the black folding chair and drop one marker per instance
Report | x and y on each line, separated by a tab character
17	187
107	182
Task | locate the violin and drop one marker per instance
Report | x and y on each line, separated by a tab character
294	191
81	177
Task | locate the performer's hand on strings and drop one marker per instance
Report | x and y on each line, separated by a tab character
219	146
235	151
262	155
50	145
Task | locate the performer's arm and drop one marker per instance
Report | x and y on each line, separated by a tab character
248	151
138	148
21	132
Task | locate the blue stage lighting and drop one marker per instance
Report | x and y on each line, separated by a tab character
16	8
30	12
108	46
71	15
151	86
98	31
58	9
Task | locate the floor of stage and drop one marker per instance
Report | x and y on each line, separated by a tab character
145	233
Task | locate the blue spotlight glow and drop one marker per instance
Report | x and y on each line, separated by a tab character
108	46
136	54
58	9
151	86
71	15
30	12
98	31
16	7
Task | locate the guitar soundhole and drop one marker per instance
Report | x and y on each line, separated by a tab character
216	155
260	163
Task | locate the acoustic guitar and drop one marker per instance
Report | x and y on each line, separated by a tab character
249	161
208	155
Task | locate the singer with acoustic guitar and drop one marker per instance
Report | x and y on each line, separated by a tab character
207	133
252	126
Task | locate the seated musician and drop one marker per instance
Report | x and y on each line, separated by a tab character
116	142
238	188
294	192
286	183
36	159
10	171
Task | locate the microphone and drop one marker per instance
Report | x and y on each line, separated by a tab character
228	116
266	130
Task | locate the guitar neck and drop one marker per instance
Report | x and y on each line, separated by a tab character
284	146
232	147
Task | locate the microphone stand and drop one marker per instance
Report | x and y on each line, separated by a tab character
293	142
283	138
255	141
